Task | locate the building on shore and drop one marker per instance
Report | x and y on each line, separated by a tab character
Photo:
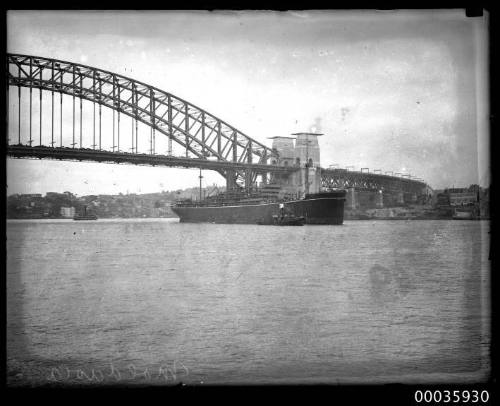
67	212
471	202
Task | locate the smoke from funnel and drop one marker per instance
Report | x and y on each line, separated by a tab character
316	127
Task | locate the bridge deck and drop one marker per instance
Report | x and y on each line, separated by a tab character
83	154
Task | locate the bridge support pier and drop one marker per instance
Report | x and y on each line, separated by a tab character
230	180
351	198
248	180
264	177
379	200
400	198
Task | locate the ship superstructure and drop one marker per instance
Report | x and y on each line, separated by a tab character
297	193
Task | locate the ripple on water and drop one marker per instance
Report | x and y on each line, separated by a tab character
248	304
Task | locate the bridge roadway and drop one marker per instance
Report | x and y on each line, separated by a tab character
86	154
330	178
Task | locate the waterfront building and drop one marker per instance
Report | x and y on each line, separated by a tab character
67	212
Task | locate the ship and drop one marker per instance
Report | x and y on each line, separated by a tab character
85	215
298	196
315	208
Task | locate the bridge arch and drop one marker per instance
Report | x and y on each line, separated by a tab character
239	158
200	133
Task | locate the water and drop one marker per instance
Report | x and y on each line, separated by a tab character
158	302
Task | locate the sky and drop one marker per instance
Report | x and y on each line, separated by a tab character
401	91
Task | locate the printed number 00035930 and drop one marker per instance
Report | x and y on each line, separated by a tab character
456	396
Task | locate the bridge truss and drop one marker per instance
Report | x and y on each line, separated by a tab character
345	179
202	135
200	139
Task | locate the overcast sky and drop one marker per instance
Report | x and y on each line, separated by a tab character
398	91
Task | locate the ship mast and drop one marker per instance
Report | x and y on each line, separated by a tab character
307	167
201	177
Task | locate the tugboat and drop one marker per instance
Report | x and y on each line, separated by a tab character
287	219
85	215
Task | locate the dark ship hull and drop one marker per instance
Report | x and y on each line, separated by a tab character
318	208
85	217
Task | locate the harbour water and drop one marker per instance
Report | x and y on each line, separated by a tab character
156	302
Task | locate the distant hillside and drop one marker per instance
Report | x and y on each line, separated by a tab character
57	205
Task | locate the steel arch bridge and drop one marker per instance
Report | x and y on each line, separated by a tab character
205	141
201	134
